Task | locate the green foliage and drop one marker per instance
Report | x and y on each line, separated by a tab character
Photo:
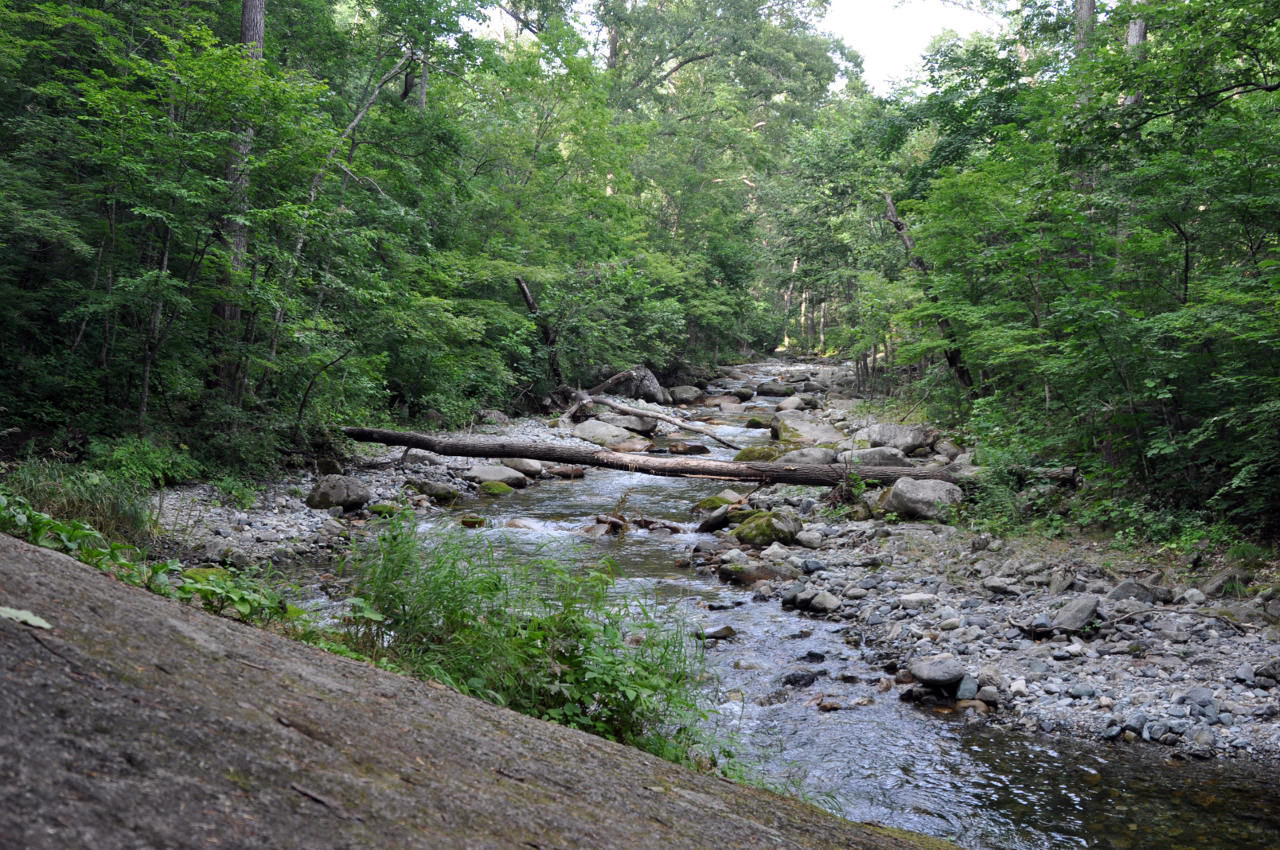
242	494
144	461
119	507
529	635
246	595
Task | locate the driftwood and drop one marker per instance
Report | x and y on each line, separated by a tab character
768	473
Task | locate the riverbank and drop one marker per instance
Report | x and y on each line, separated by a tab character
1067	636
132	720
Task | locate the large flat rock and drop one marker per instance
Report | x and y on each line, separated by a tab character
138	722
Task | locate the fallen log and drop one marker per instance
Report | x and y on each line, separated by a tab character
767	473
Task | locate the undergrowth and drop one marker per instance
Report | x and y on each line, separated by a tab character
530	635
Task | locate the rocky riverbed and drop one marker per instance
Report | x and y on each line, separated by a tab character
1063	637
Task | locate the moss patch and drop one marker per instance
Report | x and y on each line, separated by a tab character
709	504
758	453
495	488
766	528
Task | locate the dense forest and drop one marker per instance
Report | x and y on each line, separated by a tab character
228	224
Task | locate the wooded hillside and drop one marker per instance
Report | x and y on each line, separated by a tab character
224	224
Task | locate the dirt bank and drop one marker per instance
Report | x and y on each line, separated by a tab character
136	723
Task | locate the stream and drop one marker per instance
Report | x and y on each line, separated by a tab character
878	759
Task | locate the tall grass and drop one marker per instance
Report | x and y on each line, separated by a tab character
118	507
528	634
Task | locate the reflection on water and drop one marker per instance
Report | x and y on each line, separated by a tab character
874	758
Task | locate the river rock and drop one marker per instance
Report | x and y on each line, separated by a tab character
794	426
501	474
825	602
905	438
714	521
880	456
643	385
790	403
680	447
774	388
747	574
686	394
809	539
343	491
438	490
938	671
635	444
525	466
567	471
811	456
769	527
639	424
923	499
1076	614
601	433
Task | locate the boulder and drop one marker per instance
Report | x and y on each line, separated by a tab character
774	388
601	433
686	394
635	444
680	447
501	474
905	438
525	466
768	527
795	426
879	456
825	602
743	393
644	385
747	574
639	424
567	471
938	671
438	490
923	499
809	456
1076	614
343	491
789	403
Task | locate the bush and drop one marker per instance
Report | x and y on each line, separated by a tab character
530	635
140	460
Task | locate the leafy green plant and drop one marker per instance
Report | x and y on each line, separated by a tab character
531	635
144	461
234	491
248	599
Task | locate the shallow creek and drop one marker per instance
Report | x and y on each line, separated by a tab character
877	759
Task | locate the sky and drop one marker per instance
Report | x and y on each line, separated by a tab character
892	34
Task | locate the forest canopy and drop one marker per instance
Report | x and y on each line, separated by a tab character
230	224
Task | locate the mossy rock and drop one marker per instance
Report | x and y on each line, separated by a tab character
495	488
472	521
756	422
382	509
203	574
743	514
709	504
768	527
757	453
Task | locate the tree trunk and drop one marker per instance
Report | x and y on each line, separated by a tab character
765	473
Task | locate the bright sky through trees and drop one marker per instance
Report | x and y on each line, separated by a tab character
891	35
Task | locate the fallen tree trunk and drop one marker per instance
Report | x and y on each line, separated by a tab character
766	473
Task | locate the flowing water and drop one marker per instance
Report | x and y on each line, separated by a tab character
877	759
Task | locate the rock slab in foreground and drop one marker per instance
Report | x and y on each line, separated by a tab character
135	716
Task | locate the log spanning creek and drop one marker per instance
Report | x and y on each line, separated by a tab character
809	700
1095	706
